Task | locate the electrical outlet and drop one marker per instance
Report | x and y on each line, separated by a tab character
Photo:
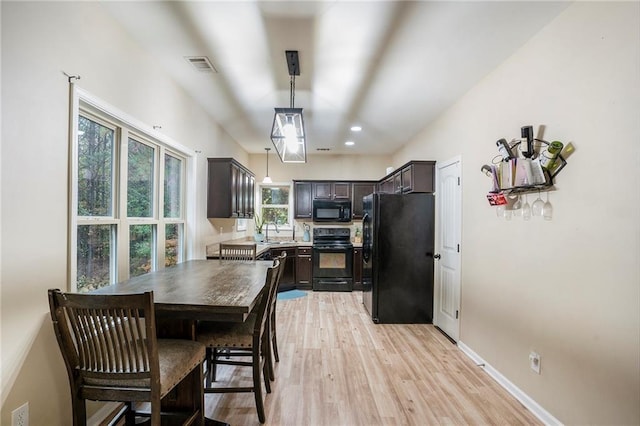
534	362
20	416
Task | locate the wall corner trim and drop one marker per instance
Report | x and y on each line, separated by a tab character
525	399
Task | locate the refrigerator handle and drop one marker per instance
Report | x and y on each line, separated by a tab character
366	237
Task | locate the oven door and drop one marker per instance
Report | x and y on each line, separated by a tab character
332	268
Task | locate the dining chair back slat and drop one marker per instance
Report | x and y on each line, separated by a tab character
238	252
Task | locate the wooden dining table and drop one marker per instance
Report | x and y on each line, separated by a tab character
212	290
185	293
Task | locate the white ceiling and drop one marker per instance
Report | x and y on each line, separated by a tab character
390	66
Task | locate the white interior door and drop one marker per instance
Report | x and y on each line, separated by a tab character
448	235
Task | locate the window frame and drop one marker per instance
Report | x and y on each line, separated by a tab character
127	127
260	185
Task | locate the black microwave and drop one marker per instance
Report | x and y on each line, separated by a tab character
332	210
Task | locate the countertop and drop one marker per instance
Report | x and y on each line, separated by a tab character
213	250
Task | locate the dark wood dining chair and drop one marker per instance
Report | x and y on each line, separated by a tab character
272	335
238	252
228	340
110	349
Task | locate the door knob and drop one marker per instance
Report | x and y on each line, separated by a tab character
436	256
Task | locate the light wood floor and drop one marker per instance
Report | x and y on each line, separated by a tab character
338	368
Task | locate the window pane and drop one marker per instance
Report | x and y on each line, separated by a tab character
95	168
140	249
279	215
173	247
275	195
140	180
94	251
172	186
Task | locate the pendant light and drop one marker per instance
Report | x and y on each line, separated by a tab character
267	179
287	131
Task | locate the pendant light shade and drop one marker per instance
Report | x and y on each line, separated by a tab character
287	130
287	135
267	179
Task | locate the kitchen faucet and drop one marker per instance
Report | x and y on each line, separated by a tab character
267	229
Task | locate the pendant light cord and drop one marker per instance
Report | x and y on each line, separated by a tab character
292	93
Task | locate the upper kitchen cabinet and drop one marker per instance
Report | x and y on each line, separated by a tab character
415	176
360	190
331	190
230	189
302	199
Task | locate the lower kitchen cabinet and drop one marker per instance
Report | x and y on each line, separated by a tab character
304	268
357	268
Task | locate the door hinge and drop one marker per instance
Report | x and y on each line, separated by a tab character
458	248
456	314
458	180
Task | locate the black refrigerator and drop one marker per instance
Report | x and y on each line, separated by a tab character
397	256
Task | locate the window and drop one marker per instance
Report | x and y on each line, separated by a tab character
275	204
128	201
95	245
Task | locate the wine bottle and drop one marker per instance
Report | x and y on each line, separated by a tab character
504	149
548	156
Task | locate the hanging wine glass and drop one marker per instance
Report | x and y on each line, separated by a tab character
517	206
507	214
526	208
547	209
536	207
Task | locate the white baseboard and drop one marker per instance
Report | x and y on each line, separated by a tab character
517	393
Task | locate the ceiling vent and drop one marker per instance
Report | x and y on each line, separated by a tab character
201	63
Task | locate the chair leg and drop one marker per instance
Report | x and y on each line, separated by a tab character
79	409
266	371
209	366
274	339
130	414
257	387
214	363
266	352
156	417
198	394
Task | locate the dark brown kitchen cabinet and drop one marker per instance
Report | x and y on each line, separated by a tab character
331	190
302	200
230	189
357	268
304	268
415	176
418	177
360	190
386	185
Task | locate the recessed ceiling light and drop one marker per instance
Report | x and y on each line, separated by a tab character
349	143
356	128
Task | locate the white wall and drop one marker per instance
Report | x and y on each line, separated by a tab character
40	41
322	166
570	288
